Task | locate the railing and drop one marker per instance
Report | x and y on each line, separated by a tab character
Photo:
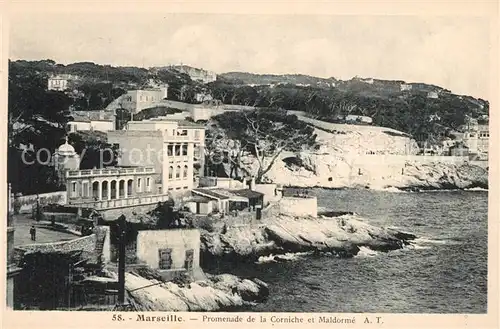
124	202
109	171
178	158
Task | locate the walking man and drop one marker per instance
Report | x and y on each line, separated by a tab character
33	233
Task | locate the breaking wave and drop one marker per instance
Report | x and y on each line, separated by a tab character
289	256
420	241
365	252
477	189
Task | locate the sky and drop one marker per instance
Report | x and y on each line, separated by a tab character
452	52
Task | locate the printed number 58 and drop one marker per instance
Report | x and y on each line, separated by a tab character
117	317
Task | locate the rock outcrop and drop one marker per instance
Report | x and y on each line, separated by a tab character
357	156
216	293
337	171
341	236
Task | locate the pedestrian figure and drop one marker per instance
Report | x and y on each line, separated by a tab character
33	233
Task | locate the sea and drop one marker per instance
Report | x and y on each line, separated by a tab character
444	271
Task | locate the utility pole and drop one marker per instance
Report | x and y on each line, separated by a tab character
121	260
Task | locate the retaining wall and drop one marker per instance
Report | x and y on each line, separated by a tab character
87	244
27	201
112	214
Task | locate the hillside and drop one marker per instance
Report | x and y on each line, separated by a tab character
425	111
245	78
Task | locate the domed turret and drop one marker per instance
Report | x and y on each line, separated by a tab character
65	158
66	149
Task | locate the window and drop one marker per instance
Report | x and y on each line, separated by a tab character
148	184
139	184
170	150
171	172
73	188
188	261
85	189
177	150
185	171
183	132
184	149
196	134
178	172
165	259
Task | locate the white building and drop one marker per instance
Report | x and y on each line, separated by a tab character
175	148
92	120
60	82
433	94
476	138
405	87
196	74
138	100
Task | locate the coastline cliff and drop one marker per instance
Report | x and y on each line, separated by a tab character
377	172
341	237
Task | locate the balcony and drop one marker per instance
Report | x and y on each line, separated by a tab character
178	158
124	202
109	172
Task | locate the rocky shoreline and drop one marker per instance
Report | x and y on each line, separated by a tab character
326	171
147	291
337	236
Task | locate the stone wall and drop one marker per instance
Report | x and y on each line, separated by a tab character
112	214
299	206
87	244
27	201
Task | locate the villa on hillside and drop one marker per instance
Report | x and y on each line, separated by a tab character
60	82
92	120
138	100
196	74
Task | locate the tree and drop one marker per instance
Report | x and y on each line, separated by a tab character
37	121
94	150
266	134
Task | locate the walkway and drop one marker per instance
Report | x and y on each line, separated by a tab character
22	225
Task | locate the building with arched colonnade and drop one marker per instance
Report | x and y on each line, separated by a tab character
113	187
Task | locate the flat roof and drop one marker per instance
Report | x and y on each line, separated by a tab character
210	193
248	193
199	199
